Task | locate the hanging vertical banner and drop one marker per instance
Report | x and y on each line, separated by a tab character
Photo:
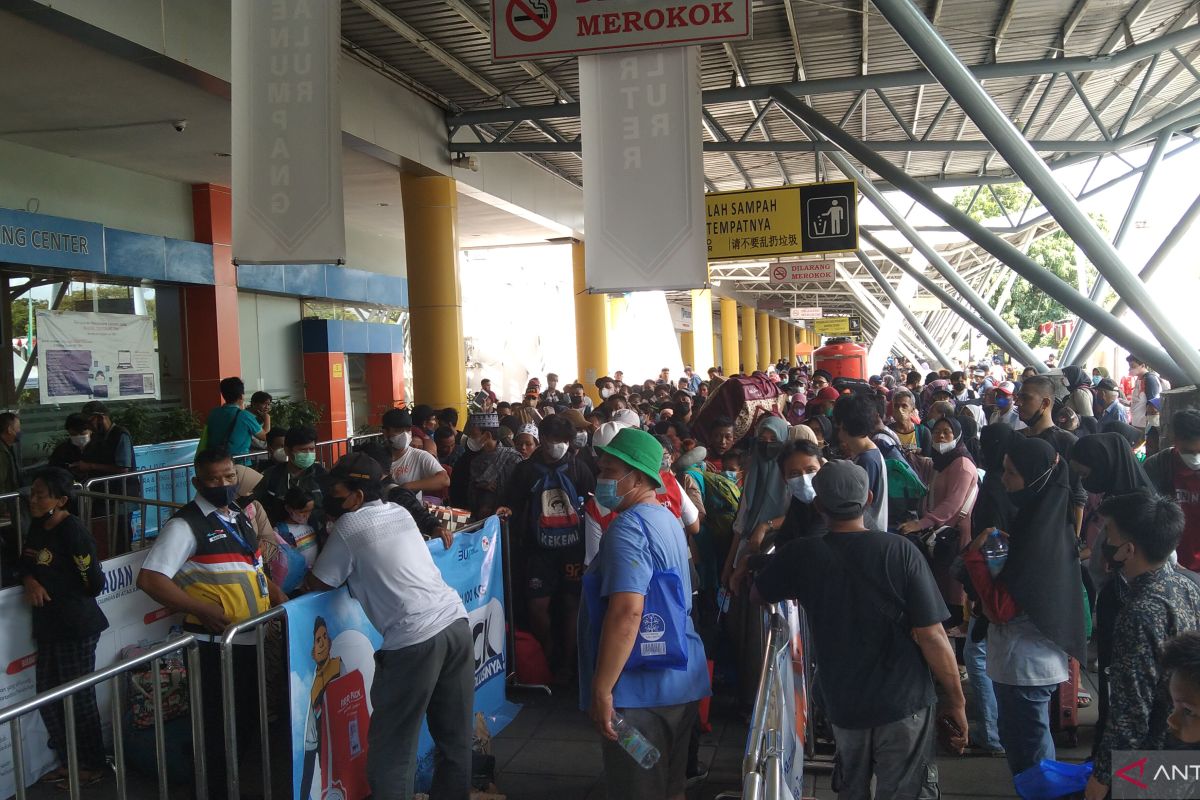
287	133
643	170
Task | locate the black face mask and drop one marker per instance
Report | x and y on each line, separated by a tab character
771	450
219	496
1109	551
576	401
333	506
959	387
1035	420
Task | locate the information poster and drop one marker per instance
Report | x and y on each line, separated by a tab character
85	356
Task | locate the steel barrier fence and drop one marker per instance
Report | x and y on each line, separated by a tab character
188	643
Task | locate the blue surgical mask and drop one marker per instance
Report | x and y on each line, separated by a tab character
731	474
1003	402
1096	379
606	492
801	487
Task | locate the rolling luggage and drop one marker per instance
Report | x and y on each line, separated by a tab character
1064	706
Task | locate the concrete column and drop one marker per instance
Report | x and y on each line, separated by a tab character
435	295
211	349
748	352
687	347
729	336
591	328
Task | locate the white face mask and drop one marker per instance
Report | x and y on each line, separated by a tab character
1191	460
474	445
801	487
606	393
280	455
944	447
581	440
400	441
81	440
556	450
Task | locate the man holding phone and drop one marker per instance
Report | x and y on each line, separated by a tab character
878	682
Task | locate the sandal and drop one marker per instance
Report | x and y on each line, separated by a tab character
87	777
1083	699
54	776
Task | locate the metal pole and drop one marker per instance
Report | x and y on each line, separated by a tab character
1160	255
913	26
1008	254
937	291
909	316
1083	331
872	308
196	697
1006	334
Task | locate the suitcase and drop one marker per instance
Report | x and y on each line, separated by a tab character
1064	706
743	400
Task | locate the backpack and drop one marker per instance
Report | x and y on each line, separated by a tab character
555	508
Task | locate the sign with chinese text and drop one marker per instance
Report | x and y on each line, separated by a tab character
812	312
837	326
786	221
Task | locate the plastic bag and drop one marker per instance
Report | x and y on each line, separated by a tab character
1052	779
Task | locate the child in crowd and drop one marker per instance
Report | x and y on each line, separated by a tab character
731	465
1181	657
297	541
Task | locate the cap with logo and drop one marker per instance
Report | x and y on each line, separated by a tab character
356	467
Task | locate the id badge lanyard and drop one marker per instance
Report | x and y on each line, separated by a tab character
252	552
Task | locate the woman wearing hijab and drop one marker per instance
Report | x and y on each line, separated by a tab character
1129	433
1034	603
1080	384
822	428
970	433
795	409
952	494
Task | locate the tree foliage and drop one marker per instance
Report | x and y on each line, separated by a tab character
1028	306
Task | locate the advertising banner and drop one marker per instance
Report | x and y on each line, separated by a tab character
331	647
133	619
525	29
643	170
84	356
287	133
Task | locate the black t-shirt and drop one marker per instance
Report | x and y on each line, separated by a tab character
801	521
518	494
871	671
1062	442
64	561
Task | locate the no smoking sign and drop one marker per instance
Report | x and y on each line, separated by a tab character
531	20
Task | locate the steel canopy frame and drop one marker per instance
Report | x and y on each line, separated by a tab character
909	316
912	26
1005	251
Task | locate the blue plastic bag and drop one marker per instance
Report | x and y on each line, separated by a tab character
1051	779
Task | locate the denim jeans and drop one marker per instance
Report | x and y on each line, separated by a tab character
1024	722
982	693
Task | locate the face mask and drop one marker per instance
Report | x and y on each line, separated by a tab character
576	401
556	450
945	447
1033	421
1109	551
606	492
219	496
1023	496
279	456
81	440
1096	380
801	487
731	474
1191	460
400	440
770	450
474	445
305	460
333	506
1003	403
581	440
606	393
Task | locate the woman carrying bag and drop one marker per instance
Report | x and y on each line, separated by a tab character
637	608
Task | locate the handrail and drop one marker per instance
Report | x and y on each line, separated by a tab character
762	770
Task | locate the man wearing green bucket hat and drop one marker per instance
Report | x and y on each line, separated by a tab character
643	549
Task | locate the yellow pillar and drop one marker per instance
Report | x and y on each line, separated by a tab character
749	343
763	330
687	347
702	326
776	346
789	343
729	336
434	294
591	328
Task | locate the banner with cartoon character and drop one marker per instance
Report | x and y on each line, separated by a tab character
331	649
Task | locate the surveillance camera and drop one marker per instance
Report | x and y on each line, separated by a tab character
180	125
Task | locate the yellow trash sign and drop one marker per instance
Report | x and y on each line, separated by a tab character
788	220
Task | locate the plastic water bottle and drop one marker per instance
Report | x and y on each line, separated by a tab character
634	743
995	551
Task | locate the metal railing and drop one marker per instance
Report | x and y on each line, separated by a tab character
762	766
66	693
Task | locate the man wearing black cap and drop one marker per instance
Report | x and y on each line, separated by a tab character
426	665
110	449
1110	400
876	682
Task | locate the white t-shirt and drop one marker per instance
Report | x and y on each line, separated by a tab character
415	464
380	552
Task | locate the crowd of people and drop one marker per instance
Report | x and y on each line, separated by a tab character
969	527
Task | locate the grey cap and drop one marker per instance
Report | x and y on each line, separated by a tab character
842	488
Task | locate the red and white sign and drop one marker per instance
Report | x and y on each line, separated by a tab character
803	272
525	29
812	312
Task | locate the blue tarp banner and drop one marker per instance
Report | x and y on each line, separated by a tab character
332	669
174	485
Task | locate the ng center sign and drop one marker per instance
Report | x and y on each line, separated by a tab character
525	29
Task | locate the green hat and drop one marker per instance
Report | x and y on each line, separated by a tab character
639	450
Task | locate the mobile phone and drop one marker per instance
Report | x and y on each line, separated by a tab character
723	598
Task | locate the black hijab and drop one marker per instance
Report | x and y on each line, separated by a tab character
943	460
970	436
993	509
825	424
1130	433
1042	571
1076	377
1114	470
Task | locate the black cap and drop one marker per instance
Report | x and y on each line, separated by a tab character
356	467
1107	385
94	407
842	488
397	418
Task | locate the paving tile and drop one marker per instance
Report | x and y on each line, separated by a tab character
558	758
504	749
566	726
528	786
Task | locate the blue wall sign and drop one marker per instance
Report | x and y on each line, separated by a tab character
46	241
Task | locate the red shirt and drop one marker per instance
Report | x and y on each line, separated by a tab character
1187	494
